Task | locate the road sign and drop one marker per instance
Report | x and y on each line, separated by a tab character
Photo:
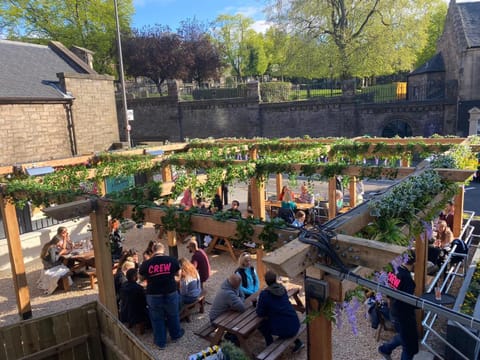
130	115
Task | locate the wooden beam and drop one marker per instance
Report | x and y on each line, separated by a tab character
279	184
456	175
352	191
10	224
332	205
74	209
103	259
458	214
5	170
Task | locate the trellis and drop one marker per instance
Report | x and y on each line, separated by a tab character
288	259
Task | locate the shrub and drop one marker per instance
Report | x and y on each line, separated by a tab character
275	91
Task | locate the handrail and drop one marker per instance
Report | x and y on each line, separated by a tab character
430	317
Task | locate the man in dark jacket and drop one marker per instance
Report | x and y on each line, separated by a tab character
402	314
280	316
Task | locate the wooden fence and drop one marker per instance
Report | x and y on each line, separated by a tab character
86	332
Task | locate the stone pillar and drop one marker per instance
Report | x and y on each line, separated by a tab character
348	88
253	90
473	121
172	86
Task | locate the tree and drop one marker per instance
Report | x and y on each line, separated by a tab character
230	31
156	53
86	23
206	62
256	61
434	31
360	38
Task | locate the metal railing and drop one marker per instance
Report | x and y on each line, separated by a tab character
452	273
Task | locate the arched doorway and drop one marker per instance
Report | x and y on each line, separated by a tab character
397	127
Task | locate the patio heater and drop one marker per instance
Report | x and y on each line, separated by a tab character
122	79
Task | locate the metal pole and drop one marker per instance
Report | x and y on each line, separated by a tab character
122	80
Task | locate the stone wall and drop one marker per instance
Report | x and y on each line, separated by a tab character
160	119
94	111
32	132
39	130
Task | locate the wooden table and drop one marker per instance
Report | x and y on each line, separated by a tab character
82	259
242	325
270	205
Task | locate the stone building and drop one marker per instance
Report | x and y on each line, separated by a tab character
52	104
455	68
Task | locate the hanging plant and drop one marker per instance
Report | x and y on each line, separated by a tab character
244	232
269	235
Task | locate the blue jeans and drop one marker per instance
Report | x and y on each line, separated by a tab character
400	339
164	313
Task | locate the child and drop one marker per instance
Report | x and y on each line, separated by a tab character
133	304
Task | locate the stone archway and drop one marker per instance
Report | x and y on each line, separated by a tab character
397	127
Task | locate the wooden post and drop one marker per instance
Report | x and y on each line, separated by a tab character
261	269
420	273
279	183
103	259
332	204
167	173
458	214
10	224
404	162
352	189
257	190
102	187
172	243
319	329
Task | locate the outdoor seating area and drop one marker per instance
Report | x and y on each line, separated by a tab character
287	251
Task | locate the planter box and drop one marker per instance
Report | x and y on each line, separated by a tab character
456	335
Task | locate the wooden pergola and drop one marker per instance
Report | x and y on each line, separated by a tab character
289	259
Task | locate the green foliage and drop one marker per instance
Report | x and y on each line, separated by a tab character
275	91
472	294
387	230
269	236
232	352
244	231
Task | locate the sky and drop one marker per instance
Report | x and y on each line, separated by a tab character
172	12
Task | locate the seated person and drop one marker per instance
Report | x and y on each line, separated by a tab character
64	244
280	318
338	200
250	283
133	304
120	276
444	235
199	260
190	287
235	209
217	203
288	201
300	217
305	197
50	254
285	189
229	297
116	240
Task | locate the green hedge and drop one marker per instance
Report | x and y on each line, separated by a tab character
275	91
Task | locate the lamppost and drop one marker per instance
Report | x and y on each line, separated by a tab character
122	80
330	67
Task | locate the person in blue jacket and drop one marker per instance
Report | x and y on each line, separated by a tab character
250	283
280	318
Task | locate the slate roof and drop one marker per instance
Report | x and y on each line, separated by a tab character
470	15
27	71
435	64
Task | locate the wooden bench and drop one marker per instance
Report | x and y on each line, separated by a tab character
276	349
208	332
294	292
92	275
64	282
188	309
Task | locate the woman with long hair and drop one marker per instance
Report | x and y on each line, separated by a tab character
250	283
190	286
50	255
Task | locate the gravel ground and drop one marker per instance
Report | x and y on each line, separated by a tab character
345	344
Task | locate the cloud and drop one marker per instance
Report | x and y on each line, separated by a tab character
143	3
261	26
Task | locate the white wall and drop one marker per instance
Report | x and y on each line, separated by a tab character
32	242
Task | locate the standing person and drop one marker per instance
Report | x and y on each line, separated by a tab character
190	286
280	318
402	314
200	261
225	193
133	305
250	283
448	213
115	239
161	273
